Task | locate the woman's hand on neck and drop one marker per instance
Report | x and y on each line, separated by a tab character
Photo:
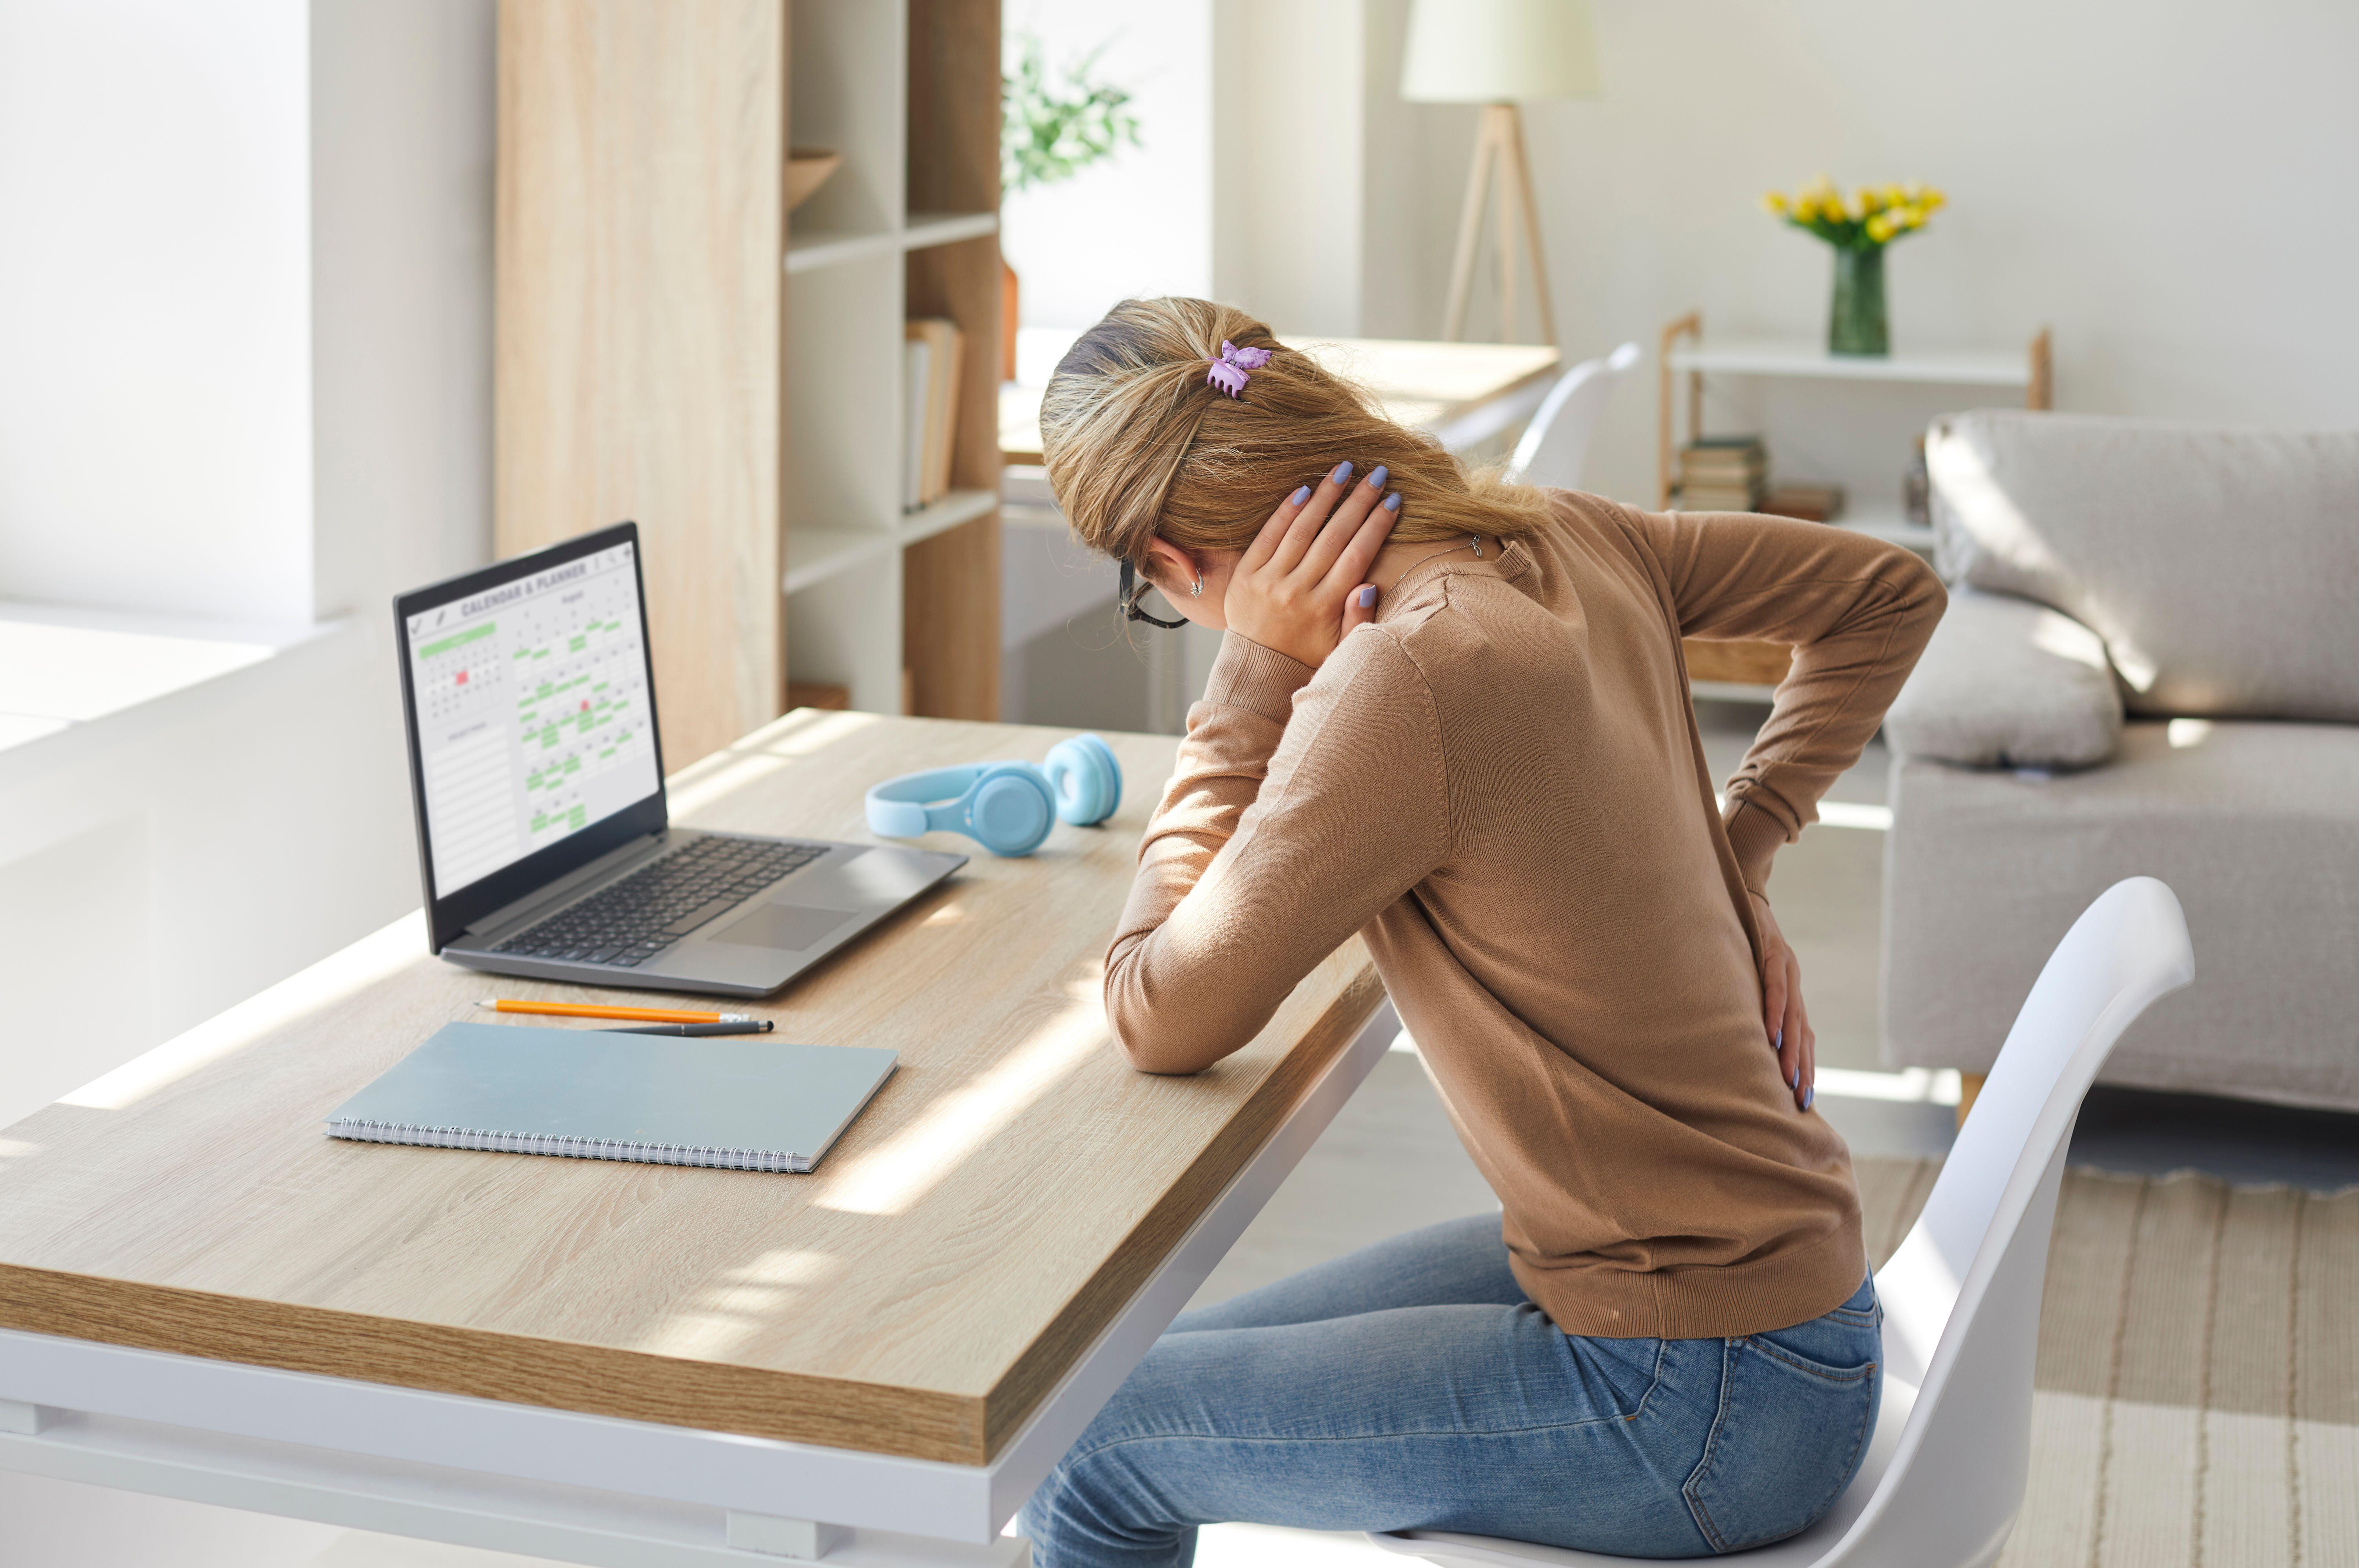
1304	584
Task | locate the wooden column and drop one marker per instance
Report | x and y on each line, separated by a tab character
637	369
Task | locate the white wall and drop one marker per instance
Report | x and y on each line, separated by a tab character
1292	106
2167	183
245	300
154	300
1140	222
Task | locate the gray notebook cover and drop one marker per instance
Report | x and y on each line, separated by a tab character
742	1103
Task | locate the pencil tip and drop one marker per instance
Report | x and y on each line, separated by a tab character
485	1004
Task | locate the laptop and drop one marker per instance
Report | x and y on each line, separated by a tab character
543	837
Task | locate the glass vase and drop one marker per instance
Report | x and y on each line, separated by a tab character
1856	324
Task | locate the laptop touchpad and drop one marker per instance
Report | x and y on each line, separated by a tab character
788	927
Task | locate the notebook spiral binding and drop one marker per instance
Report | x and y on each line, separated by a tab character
568	1147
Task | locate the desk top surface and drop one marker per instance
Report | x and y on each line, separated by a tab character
1419	384
974	1229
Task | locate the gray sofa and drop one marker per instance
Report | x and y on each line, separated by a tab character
2150	664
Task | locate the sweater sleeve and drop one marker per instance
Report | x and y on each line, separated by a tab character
1856	611
1302	805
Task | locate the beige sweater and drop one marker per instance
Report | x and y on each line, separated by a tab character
1500	786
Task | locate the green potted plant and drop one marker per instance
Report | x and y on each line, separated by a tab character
1876	216
1050	131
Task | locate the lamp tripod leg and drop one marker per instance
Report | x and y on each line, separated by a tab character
1520	172
1470	234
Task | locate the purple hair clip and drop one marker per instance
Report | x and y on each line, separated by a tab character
1228	372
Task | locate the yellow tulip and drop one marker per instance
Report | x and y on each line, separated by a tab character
1879	228
1867	199
1775	201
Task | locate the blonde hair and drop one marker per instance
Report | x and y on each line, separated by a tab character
1138	446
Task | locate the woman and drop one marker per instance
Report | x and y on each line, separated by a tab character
1451	715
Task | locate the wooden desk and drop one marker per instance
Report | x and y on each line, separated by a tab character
1437	386
973	1241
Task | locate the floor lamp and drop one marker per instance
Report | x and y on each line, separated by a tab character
1498	54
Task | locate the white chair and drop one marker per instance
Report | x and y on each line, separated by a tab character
1944	1477
1555	445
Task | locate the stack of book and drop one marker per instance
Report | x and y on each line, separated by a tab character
1722	473
1812	503
932	350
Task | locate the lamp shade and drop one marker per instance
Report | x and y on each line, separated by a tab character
1497	51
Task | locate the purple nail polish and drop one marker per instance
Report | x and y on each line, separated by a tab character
1392	502
1302	493
1378	476
1796	1081
1809	1094
1342	474
1777	1041
1368	597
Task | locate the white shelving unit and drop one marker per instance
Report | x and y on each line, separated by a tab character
676	347
853	252
1736	671
1686	351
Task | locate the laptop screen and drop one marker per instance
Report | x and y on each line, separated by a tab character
531	714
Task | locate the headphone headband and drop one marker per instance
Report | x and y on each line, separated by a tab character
910	805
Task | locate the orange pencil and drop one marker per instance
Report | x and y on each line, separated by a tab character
641	1014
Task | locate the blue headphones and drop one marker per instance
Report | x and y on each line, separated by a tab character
1007	806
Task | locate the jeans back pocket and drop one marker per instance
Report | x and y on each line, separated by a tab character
1788	1440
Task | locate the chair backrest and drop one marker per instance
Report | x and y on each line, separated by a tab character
1962	1296
1555	445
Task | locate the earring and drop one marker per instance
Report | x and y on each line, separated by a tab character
1196	589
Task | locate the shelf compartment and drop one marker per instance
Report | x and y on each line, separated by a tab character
954	508
814	554
831	247
1780	356
927	230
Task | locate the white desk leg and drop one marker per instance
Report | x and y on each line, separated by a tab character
783	1536
21	1418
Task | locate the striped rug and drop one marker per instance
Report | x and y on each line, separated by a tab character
2197	1401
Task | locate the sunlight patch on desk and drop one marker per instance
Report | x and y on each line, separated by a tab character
693	789
746	1302
804	731
374	958
888	1179
17	1149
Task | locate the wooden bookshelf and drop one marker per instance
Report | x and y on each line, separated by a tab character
685	353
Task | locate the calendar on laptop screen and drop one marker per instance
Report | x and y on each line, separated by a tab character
533	714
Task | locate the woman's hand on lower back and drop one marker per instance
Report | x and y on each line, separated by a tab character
1302	585
1787	1021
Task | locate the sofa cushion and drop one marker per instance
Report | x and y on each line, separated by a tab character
2254	825
2010	683
2220	566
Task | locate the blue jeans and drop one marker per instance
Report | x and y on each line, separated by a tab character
1411	1386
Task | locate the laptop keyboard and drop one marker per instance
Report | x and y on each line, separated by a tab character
629	921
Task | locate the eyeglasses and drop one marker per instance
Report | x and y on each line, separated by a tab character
1133	591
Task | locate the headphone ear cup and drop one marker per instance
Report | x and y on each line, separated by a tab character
1011	808
1087	779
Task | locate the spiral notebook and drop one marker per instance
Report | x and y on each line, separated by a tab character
738	1104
